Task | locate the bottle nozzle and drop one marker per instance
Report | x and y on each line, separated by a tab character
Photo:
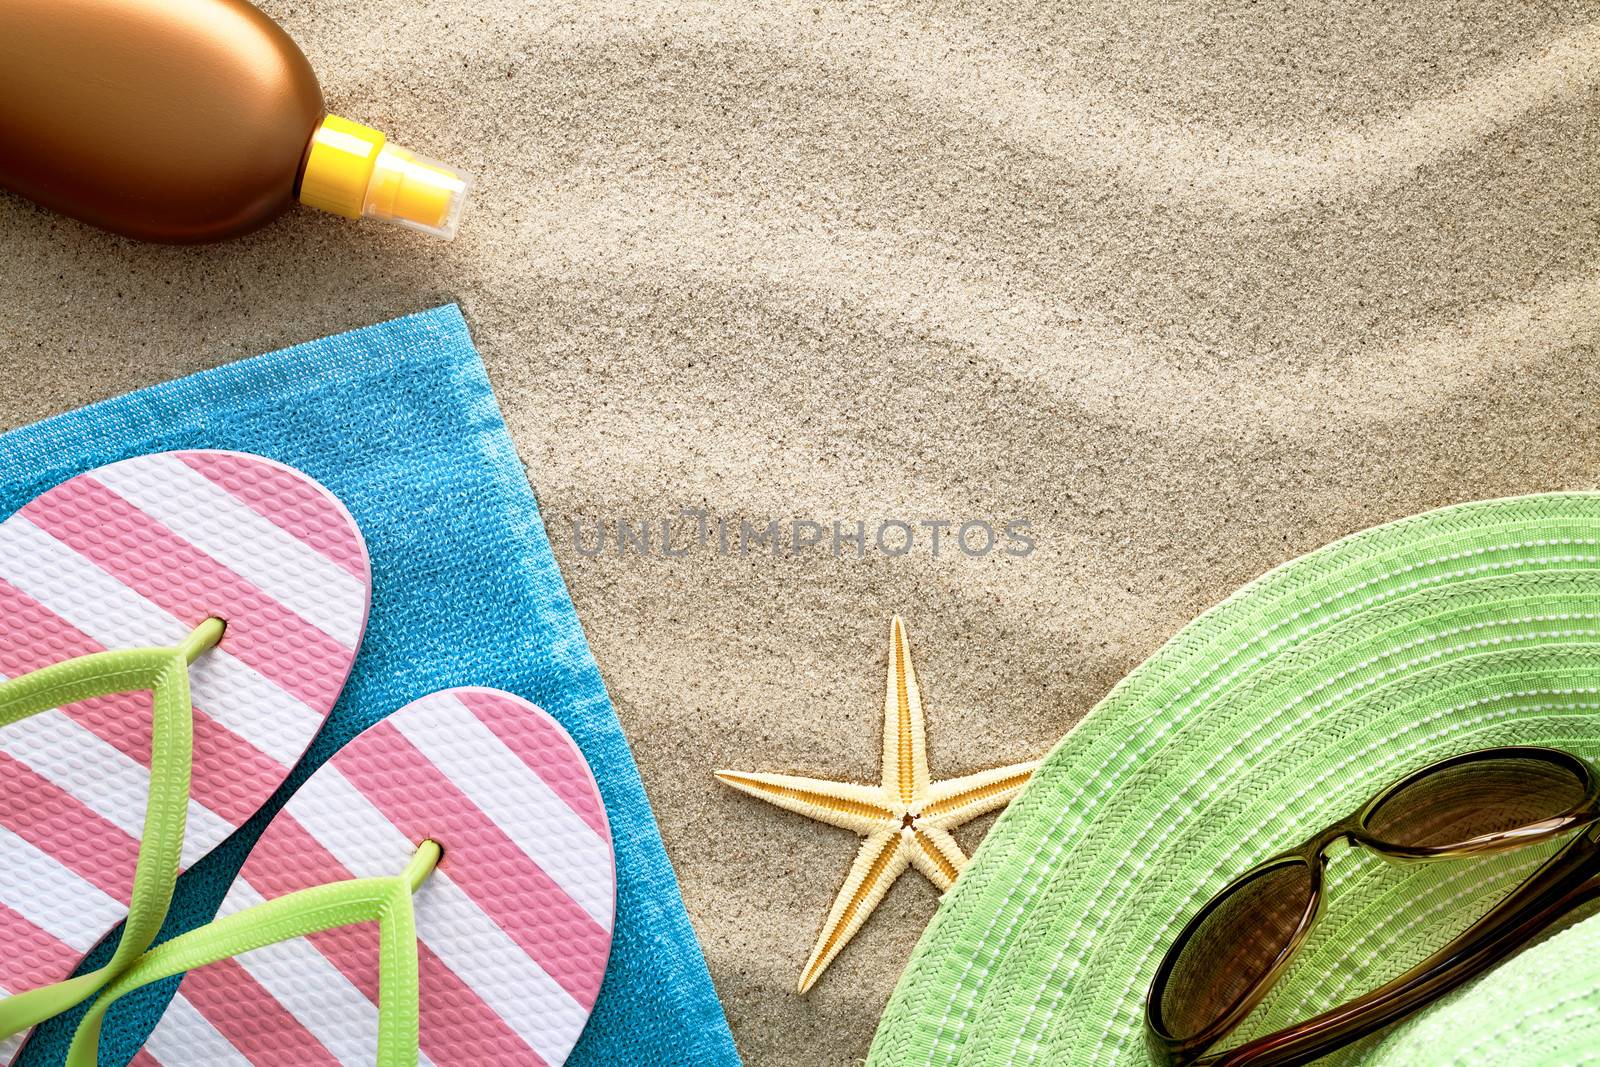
353	171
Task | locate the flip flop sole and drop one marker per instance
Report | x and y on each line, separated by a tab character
137	553
514	927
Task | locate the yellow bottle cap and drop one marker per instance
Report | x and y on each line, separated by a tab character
353	170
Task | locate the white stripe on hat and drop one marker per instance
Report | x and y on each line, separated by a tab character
212	519
499	784
237	696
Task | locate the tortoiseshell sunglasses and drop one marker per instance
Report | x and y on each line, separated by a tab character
1231	953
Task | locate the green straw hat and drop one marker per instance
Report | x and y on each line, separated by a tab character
1543	1007
1269	717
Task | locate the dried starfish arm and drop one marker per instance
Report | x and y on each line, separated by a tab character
954	802
936	854
858	808
906	819
881	859
905	746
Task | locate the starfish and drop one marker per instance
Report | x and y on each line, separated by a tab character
906	819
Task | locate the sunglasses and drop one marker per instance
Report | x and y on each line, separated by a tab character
1230	954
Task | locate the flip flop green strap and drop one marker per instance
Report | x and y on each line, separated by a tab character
309	911
164	672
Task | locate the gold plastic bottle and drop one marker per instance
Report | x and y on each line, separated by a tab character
190	120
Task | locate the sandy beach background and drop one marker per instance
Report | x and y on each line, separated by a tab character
1190	288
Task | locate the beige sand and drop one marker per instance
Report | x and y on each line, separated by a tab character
1193	287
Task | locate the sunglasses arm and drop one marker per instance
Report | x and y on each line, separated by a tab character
1568	881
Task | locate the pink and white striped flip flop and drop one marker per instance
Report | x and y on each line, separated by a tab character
513	926
135	554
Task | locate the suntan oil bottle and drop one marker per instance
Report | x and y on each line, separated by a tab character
188	121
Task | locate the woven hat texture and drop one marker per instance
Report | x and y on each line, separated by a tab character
1271	716
1541	1008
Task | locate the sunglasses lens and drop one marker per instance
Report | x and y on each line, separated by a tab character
1232	948
1461	802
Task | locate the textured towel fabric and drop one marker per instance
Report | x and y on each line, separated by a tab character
399	421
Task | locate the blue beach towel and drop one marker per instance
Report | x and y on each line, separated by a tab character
399	421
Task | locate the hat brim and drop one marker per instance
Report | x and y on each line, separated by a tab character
1543	1007
1272	715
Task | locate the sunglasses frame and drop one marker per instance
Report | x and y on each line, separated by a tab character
1563	882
